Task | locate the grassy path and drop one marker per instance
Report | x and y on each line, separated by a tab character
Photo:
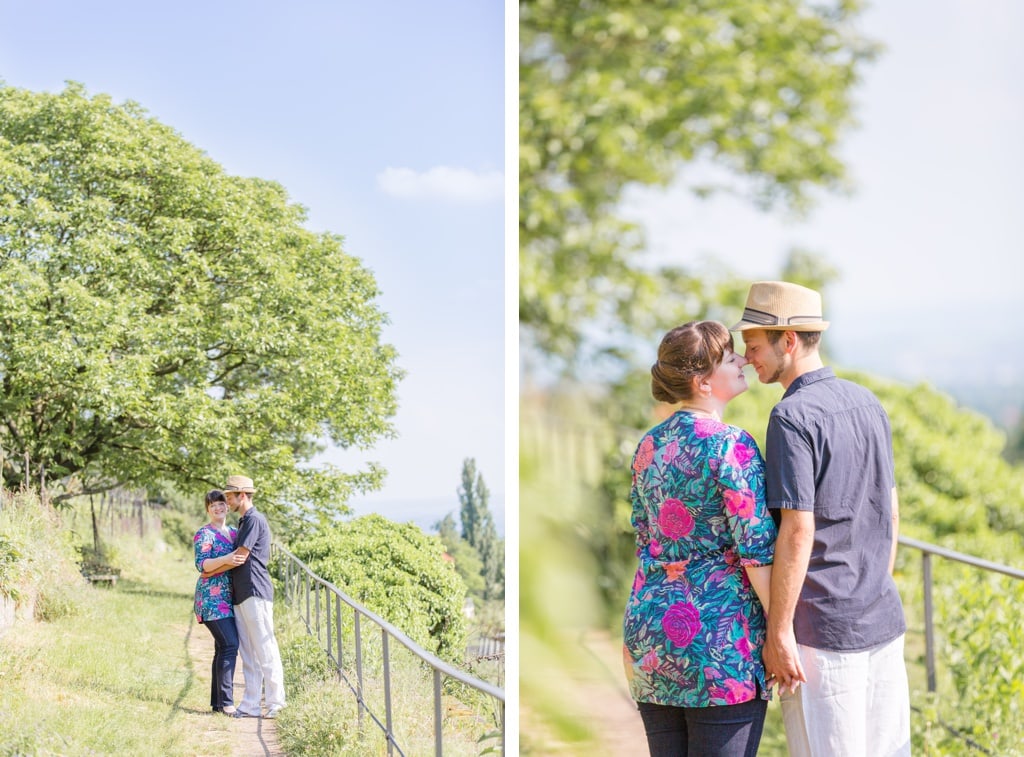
128	674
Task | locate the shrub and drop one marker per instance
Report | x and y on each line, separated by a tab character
398	572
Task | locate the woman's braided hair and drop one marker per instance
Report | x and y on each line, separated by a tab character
693	349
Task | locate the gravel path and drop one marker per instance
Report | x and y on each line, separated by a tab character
228	737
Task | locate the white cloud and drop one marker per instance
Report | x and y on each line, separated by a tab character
443	183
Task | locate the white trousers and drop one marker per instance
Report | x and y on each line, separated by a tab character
854	704
261	660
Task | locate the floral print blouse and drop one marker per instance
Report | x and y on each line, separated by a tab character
213	595
694	628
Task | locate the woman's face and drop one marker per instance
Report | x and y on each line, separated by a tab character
217	509
728	380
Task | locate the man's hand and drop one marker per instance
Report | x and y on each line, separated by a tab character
782	662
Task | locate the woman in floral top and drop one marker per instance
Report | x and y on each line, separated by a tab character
215	554
694	624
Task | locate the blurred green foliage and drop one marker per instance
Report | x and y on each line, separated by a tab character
621	92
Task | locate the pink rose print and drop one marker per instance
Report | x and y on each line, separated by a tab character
738	691
671	452
674	519
650	662
207	546
739	503
681	622
743	647
223	608
740	455
654	548
644	455
705	427
214	591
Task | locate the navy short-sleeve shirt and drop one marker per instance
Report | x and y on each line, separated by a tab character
828	450
252	579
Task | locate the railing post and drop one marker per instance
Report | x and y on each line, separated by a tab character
438	725
359	665
929	628
387	692
319	637
337	616
305	588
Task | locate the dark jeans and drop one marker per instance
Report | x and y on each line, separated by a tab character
732	730
225	652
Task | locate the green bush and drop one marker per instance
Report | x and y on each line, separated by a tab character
37	559
398	572
12	564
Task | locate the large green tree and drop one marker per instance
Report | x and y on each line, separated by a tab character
621	92
163	320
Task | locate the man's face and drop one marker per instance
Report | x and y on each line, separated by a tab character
769	360
235	499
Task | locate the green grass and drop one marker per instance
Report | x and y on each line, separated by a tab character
115	677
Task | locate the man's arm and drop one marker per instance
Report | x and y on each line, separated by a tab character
792	555
213	566
895	530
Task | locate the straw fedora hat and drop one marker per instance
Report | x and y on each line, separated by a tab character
239	484
781	306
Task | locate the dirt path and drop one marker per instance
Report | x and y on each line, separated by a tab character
228	737
595	695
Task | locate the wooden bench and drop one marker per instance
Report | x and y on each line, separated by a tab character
109	578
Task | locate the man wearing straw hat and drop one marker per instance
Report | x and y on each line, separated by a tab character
836	626
254	605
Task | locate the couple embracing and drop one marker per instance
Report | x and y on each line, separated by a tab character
235	601
761	572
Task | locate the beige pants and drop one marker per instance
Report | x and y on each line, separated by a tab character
261	660
854	704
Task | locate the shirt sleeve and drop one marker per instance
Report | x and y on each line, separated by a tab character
790	467
741	487
639	518
203	544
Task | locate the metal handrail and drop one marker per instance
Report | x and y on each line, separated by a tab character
295	568
927	550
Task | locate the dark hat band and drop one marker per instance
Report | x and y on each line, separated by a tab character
761	318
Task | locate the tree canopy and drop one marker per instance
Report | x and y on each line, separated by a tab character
620	92
163	320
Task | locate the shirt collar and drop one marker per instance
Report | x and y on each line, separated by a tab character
811	377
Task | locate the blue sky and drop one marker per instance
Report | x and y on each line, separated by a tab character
930	245
384	120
